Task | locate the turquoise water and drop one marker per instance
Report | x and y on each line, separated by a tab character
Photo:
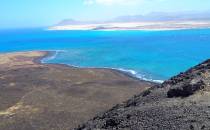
151	55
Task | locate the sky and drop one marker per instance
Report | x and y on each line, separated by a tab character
40	13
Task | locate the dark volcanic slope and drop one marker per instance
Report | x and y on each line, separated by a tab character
181	103
37	96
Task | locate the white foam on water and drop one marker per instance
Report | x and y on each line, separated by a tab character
139	76
128	71
51	57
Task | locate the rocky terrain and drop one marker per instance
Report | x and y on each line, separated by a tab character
181	103
35	96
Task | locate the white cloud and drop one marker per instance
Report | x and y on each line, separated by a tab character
112	2
89	2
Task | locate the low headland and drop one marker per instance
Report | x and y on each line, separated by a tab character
36	96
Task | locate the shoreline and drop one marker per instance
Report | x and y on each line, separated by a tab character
110	30
43	92
141	26
119	70
52	53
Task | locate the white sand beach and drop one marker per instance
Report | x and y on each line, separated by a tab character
171	25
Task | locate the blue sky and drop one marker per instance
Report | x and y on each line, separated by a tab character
35	13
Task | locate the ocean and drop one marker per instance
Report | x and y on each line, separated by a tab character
148	55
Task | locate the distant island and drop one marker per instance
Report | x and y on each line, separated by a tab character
152	21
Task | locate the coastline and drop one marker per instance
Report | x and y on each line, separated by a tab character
182	103
43	92
141	26
131	73
49	54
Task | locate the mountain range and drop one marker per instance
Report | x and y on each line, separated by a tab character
151	17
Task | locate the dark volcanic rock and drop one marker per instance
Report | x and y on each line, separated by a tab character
188	83
185	90
180	103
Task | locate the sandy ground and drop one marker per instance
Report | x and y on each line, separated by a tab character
35	96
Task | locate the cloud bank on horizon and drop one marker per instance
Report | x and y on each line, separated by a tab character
116	2
35	13
111	2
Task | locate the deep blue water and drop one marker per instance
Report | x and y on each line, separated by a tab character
155	55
